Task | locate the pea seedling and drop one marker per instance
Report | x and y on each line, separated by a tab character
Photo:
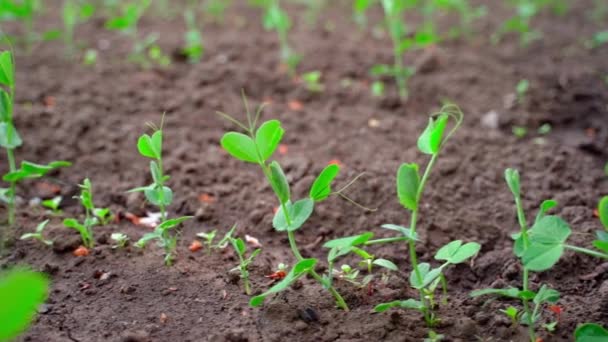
22	291
121	240
193	48
10	139
162	233
410	188
520	23
521	90
312	80
210	237
74	12
539	248
53	204
256	147
38	234
86	227
241	250
24	11
275	18
104	215
394	11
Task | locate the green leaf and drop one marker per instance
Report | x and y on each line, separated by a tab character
408	183
511	292
591	332
402	304
141	243
601	245
386	264
349	241
168	224
546	295
6	106
512	178
430	140
547	238
9	137
21	292
7	69
239	246
298	214
428	275
268	137
147	148
279	183
72	223
240	147
301	268
544	208
405	231
603	211
321	188
455	252
158	196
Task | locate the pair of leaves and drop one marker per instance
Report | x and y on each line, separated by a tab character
151	146
301	268
84	229
32	170
21	292
546	243
321	188
9	136
427	275
298	213
455	252
243	147
342	246
156	195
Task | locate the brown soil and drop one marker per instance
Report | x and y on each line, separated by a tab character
100	112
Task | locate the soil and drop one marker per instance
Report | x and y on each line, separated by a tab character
92	116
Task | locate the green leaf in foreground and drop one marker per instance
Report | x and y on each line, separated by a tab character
300	269
21	292
321	188
547	238
591	332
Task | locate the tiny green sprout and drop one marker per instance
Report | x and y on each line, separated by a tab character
216	9
256	147
434	337
208	237
162	233
598	39
377	89
120	239
312	80
193	47
551	326
590	332
53	204
38	234
22	291
241	250
512	313
86	227
539	248
410	187
521	90
74	13
104	215
519	131
90	57
275	18
545	129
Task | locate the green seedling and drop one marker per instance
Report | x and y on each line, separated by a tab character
512	313
86	227
120	239
24	11
193	48
38	234
434	337
521	90
53	204
157	193
521	22
312	80
410	187
104	215
162	233
22	291
378	89
256	147
275	18
360	8
210	237
216	9
539	248
75	12
244	261
590	332
599	38
545	129
394	11
519	131
10	139
90	57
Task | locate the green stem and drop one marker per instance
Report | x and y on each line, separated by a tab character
521	217
386	240
531	331
587	251
13	185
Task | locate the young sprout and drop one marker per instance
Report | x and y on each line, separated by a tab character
104	215
193	48
74	13
208	237
10	139
216	9
520	23
275	18
519	131
360	8
22	291
257	146
394	12
512	313
241	250
38	234
521	90
90	57
312	80
377	89
53	204
410	188
539	248
121	240
86	227
162	233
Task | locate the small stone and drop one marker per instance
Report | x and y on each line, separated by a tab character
44	309
135	336
490	120
301	325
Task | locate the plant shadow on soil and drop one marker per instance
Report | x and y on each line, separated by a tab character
98	113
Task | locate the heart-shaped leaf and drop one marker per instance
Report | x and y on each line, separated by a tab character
547	238
298	213
268	137
408	182
240	147
321	188
147	147
455	252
